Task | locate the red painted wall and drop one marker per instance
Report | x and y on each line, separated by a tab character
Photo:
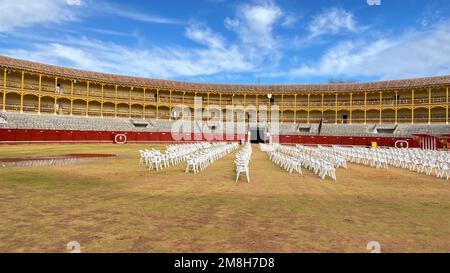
352	141
30	136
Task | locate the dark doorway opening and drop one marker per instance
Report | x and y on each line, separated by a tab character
258	135
345	119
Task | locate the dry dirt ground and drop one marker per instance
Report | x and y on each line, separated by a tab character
119	206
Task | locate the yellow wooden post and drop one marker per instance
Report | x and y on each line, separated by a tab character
337	109
256	101
446	110
56	96
381	103
40	93
351	107
101	104
71	97
365	108
157	104
87	98
412	106
129	103
295	108
307	116
282	108
115	102
143	106
170	104
396	107
4	89
429	106
257	107
322	104
22	91
195	109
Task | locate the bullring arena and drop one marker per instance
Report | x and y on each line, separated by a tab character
123	164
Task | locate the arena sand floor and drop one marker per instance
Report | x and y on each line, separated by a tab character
119	206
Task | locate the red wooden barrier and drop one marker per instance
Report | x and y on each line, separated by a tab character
25	136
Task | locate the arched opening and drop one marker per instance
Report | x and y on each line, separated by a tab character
123	110
329	116
94	108
388	116
12	101
421	115
108	109
164	112
302	116
137	111
404	115
63	106
288	116
343	117
30	103
438	115
150	112
79	107
315	116
358	116
373	116
47	104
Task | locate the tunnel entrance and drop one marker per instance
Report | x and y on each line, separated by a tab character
258	135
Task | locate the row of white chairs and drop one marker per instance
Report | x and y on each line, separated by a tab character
174	154
204	158
363	156
154	159
338	161
431	163
317	163
286	162
292	158
242	162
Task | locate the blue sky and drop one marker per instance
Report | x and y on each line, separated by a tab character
226	41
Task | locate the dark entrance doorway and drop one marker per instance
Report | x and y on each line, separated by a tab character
345	119
258	135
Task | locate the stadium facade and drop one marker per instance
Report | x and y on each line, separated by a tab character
45	103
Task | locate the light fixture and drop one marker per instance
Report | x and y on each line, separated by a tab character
74	81
132	88
269	96
8	71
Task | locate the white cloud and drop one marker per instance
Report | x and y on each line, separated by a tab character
332	21
414	54
24	13
289	20
159	62
254	24
204	35
135	15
